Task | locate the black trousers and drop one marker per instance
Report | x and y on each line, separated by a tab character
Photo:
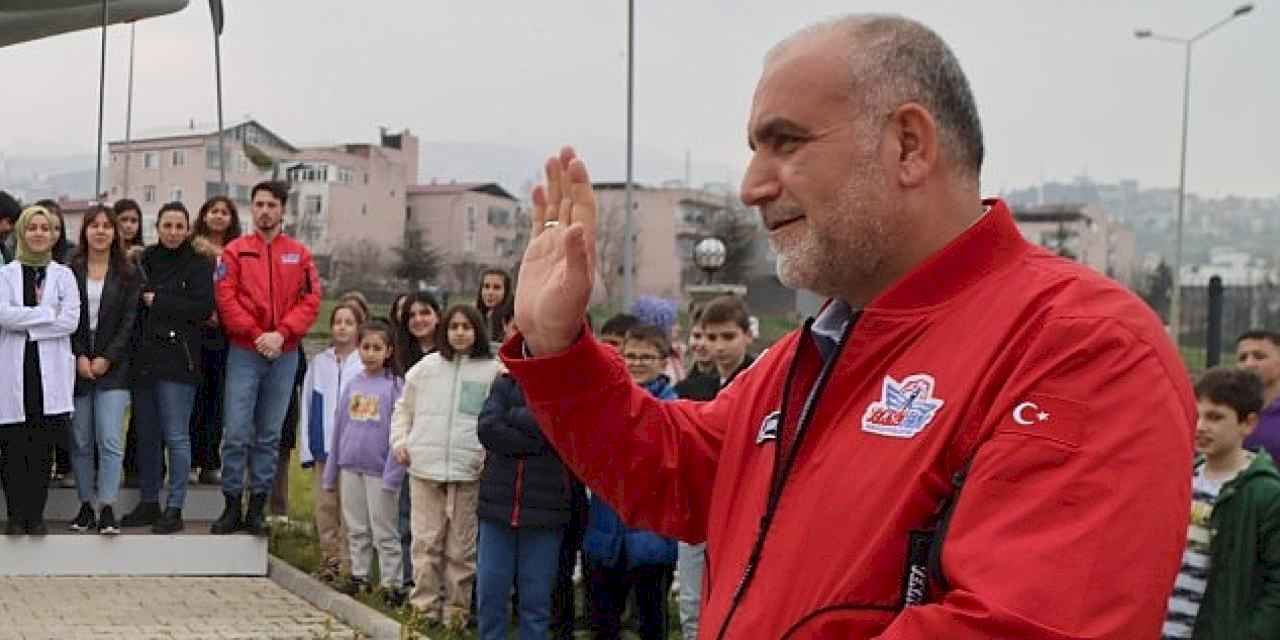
608	601
26	453
206	419
564	611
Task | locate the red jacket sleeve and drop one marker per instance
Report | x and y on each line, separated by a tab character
1074	515
235	319
297	322
655	460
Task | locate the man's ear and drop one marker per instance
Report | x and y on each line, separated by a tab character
915	134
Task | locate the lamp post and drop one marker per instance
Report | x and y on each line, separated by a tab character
709	255
1175	302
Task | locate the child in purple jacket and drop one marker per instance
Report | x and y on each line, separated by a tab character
362	465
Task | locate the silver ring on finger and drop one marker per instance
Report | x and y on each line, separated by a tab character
550	224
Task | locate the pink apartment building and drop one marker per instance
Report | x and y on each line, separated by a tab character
182	164
473	224
348	197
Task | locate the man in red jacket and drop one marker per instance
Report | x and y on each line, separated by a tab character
268	295
974	439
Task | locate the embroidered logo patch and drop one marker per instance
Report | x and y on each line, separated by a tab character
904	409
291	258
769	427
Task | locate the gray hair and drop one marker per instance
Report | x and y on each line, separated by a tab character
894	60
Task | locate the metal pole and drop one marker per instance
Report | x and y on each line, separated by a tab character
128	114
628	259
1175	302
102	86
222	155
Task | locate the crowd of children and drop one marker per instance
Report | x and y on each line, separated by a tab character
424	454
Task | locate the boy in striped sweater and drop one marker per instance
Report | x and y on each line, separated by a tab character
1229	584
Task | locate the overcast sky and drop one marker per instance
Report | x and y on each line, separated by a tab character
1063	88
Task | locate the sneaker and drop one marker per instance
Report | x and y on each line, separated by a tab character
193	477
143	515
84	520
210	476
169	522
394	598
107	522
352	586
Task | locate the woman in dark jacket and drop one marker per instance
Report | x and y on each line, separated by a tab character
176	300
525	503
109	287
217	224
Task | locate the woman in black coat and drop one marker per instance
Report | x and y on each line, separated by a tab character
176	300
109	286
525	503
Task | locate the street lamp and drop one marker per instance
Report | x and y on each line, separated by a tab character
709	255
1175	302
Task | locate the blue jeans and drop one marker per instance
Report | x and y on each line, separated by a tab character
528	554
164	414
257	398
99	420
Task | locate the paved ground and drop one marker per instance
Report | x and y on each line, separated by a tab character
153	608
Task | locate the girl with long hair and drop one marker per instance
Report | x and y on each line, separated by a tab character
217	224
109	286
433	431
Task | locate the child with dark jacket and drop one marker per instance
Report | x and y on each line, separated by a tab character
525	505
622	560
1229	584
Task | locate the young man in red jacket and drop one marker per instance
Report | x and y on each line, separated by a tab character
974	439
268	295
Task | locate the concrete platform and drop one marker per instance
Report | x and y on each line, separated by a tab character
134	552
203	502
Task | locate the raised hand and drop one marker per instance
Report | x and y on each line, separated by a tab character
558	269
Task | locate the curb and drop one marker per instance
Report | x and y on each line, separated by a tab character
365	619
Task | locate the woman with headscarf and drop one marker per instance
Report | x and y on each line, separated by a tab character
39	310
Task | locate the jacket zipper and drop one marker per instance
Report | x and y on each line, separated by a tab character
515	511
271	287
784	459
453	408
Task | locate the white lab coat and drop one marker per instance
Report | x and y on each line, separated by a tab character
50	324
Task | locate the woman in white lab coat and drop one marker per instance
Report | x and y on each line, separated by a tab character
39	310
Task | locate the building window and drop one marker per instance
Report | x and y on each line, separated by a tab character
471	228
366	178
500	247
149	193
408	213
115	158
179	158
149	160
175	194
243	164
211	158
499	217
242	193
313	205
364	209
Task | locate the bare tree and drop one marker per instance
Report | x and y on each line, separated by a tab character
610	234
358	265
